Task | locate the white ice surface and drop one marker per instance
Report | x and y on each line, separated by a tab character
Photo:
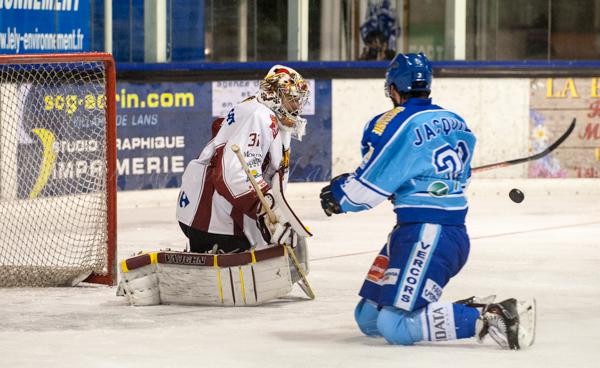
547	247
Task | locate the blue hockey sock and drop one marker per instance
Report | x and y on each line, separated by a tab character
464	320
436	322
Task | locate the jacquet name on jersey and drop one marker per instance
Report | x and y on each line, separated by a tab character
433	128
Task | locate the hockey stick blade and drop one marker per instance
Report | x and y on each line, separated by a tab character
537	156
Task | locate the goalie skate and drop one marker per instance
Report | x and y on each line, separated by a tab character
510	323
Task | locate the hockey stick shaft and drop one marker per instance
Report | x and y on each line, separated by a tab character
308	290
537	156
273	218
261	197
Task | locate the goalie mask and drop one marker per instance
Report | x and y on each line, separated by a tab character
285	92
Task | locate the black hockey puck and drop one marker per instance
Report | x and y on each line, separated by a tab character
516	195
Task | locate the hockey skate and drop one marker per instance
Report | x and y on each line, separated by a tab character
476	301
510	323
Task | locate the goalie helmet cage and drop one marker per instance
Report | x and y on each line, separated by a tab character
57	169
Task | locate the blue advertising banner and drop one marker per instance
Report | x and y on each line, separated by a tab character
162	126
159	129
44	26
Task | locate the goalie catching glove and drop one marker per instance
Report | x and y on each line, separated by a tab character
287	227
279	232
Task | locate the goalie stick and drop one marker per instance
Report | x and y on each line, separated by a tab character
537	156
273	218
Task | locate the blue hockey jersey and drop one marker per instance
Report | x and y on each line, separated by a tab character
419	156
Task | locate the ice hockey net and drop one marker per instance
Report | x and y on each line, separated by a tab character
57	169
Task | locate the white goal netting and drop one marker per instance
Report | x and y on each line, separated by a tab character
54	209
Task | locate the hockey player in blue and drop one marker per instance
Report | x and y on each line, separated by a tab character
418	155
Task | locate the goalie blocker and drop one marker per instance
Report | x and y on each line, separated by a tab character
241	279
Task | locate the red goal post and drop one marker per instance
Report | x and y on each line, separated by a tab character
57	169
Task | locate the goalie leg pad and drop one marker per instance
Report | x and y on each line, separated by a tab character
247	278
244	285
140	286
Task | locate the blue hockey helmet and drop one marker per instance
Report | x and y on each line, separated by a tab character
409	72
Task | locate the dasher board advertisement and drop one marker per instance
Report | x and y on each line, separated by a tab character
35	27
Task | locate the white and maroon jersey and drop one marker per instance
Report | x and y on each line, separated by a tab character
216	195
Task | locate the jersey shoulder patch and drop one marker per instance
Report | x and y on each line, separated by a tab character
385	119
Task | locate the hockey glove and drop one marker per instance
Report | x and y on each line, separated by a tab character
328	202
279	232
